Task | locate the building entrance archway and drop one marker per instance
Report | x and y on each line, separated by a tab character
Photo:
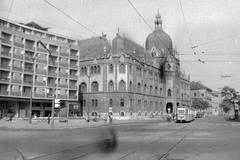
169	108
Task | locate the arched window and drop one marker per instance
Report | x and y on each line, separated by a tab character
110	103
177	93
122	103
110	68
84	103
83	87
145	89
122	68
130	86
156	91
169	92
93	103
85	70
95	69
130	69
139	87
150	91
92	70
94	114
98	69
111	86
122	86
94	86
160	91
96	102
122	114
182	96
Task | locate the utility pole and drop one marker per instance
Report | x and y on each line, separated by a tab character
53	94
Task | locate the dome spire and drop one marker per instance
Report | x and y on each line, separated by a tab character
158	22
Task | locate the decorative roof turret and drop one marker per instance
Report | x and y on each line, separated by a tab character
158	22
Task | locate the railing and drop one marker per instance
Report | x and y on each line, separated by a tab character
63	64
28	70
63	74
73	87
18	56
63	85
3	92
28	58
41	50
16	81
17	68
73	76
52	73
27	82
49	95
4	79
50	84
6	41
41	61
74	66
15	93
74	56
30	48
4	66
40	72
26	94
72	97
39	95
6	54
64	54
54	52
62	96
51	63
18	44
40	83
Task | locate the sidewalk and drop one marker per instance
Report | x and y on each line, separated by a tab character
71	124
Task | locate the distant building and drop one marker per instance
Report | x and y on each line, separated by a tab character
200	91
91	76
216	101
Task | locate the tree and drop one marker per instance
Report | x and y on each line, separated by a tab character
200	104
226	105
230	97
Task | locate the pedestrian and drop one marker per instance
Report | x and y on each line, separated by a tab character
49	118
164	117
173	116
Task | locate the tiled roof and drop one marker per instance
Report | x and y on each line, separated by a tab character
35	25
198	86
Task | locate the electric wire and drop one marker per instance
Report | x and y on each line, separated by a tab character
188	32
10	9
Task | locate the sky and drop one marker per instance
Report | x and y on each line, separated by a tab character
205	32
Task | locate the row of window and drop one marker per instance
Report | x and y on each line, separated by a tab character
122	103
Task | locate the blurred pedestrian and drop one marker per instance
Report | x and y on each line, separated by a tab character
49	118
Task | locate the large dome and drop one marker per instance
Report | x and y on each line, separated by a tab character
159	39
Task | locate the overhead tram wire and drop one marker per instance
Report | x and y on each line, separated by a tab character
188	33
44	22
91	31
10	9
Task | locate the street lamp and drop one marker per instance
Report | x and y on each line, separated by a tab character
32	90
53	96
89	76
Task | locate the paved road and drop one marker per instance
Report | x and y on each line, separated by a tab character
206	138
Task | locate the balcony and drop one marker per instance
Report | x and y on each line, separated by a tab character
63	85
28	58
41	95
52	73
41	61
40	83
63	64
17	68
73	76
72	96
62	96
4	66
18	44
27	82
6	54
3	92
30	48
73	87
28	70
54	53
51	63
18	56
6	41
26	94
74	66
50	95
74	56
50	85
43	72
4	79
64	54
18	81
15	93
63	75
41	50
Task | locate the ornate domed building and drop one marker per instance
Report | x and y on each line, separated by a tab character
130	80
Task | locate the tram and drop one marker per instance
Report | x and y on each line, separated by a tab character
185	114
